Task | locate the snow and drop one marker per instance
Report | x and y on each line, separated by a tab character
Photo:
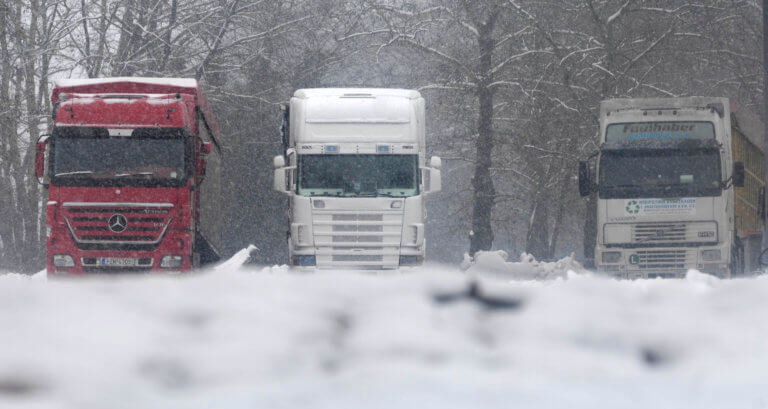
178	82
263	337
494	264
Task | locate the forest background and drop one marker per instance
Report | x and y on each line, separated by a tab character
511	88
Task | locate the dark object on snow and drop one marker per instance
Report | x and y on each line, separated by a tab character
473	293
17	387
652	357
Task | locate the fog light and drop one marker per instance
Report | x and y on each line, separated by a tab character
611	256
63	260
710	255
410	260
171	261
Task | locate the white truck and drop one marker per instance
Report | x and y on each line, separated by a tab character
354	167
672	190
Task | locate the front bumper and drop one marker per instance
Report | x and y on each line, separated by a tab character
661	262
357	259
175	242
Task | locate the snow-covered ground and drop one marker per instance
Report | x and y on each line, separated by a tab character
270	338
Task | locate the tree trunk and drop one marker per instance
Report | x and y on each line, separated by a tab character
537	242
482	183
558	222
27	183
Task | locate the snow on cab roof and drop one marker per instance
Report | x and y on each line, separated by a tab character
177	82
654	103
356	92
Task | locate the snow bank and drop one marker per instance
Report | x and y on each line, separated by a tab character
240	338
494	264
236	262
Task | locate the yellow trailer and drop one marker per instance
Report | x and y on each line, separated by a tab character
749	207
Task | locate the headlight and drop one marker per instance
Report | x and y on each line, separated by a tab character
63	260
710	255
171	261
611	256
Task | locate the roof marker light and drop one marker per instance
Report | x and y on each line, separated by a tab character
332	148
382	148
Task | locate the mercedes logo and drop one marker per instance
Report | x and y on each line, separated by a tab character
117	223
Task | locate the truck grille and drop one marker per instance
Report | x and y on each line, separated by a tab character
357	238
662	259
117	225
690	232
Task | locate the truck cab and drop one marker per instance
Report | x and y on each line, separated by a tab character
355	171
664	178
130	166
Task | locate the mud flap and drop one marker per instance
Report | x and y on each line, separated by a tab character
208	254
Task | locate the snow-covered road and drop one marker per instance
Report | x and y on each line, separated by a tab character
266	338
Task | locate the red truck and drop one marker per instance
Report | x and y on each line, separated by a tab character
132	168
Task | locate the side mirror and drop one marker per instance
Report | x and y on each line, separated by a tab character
40	161
435	180
738	174
585	181
41	148
761	203
279	180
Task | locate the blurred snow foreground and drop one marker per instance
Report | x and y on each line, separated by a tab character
430	337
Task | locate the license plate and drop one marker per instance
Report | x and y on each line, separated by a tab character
118	262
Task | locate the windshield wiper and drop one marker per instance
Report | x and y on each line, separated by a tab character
77	172
360	194
120	175
387	194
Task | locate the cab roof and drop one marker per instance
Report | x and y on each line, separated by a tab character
139	85
356	93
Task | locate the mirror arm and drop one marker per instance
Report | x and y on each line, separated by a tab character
727	183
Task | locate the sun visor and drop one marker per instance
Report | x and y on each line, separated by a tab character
363	110
652	144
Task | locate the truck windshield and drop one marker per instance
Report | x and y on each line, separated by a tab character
659	174
91	156
358	175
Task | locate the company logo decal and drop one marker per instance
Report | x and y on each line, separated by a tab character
632	207
653	207
117	223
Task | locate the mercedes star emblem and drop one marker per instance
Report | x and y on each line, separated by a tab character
117	223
